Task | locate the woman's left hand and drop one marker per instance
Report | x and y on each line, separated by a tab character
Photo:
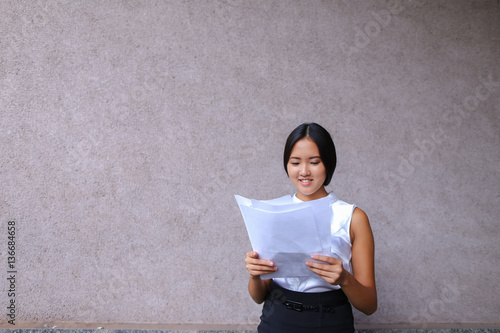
332	271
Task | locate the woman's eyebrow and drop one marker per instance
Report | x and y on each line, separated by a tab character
310	158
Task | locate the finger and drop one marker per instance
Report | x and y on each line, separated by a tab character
321	270
252	254
327	259
319	266
325	269
322	258
329	276
259	262
253	260
259	270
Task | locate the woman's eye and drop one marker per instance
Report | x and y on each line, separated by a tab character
294	163
315	163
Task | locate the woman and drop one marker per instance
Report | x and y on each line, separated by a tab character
321	303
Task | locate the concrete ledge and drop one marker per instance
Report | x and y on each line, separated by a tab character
78	327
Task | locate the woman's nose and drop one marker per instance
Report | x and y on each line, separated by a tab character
304	171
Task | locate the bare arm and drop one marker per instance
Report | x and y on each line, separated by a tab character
257	287
360	286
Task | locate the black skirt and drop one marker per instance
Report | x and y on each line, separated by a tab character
287	311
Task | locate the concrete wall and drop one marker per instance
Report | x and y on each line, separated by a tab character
127	126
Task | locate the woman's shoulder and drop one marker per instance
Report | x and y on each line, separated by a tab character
359	214
360	225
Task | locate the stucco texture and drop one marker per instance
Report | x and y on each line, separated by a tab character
128	126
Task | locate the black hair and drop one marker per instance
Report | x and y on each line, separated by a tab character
323	140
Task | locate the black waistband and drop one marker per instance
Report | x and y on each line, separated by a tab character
298	301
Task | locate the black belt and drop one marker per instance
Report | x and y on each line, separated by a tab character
299	307
297	301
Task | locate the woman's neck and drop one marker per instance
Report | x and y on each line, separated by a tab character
321	193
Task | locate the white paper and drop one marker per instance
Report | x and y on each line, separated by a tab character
287	233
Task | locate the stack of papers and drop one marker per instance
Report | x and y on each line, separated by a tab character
288	232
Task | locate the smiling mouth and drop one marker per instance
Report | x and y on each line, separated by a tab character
305	181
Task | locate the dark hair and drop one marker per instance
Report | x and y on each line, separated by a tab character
323	140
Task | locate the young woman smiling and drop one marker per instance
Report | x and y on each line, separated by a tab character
321	303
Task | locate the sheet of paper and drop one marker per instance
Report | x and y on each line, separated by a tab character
287	233
321	209
286	199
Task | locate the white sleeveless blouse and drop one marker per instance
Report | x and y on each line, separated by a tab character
341	249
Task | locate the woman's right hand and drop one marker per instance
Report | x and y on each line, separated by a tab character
257	267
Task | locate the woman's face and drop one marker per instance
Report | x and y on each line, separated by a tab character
307	171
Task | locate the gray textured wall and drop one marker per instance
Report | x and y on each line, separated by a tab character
127	126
